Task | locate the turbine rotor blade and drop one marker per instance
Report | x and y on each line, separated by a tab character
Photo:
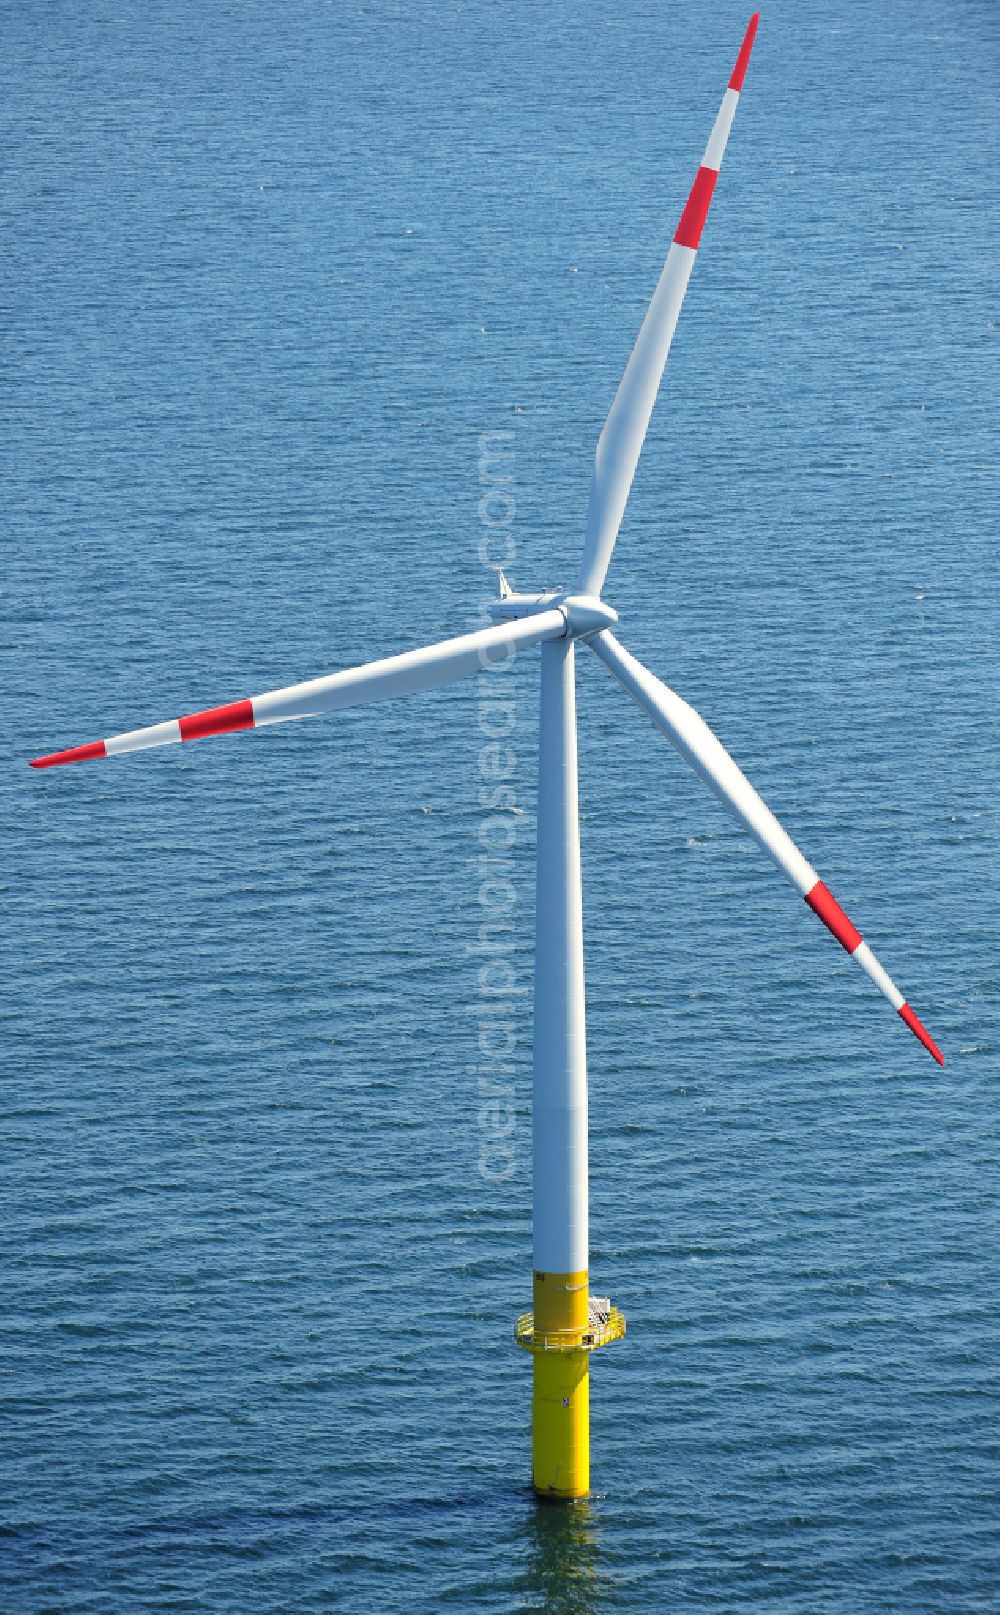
624	431
425	669
692	737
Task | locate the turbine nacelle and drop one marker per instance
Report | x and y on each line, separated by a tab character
585	614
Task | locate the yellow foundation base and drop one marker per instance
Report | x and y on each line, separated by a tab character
560	1424
560	1404
560	1334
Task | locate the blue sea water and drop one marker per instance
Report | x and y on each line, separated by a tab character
268	273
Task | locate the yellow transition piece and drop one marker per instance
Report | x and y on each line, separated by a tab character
560	1406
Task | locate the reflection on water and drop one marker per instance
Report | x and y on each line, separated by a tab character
564	1574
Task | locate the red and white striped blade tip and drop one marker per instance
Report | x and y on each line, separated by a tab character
740	70
76	754
825	906
906	1014
692	220
195	726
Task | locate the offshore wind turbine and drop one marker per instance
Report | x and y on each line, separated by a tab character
566	1323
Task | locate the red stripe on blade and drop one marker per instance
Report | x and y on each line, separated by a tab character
688	233
76	754
740	70
823	903
906	1014
217	720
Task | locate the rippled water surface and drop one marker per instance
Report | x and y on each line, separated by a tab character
268	272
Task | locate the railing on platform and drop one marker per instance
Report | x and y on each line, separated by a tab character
604	1324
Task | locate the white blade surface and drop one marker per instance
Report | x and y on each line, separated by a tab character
689	732
625	428
408	674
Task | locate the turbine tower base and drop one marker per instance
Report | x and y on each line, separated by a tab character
565	1327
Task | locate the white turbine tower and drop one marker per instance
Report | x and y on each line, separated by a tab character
566	1323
